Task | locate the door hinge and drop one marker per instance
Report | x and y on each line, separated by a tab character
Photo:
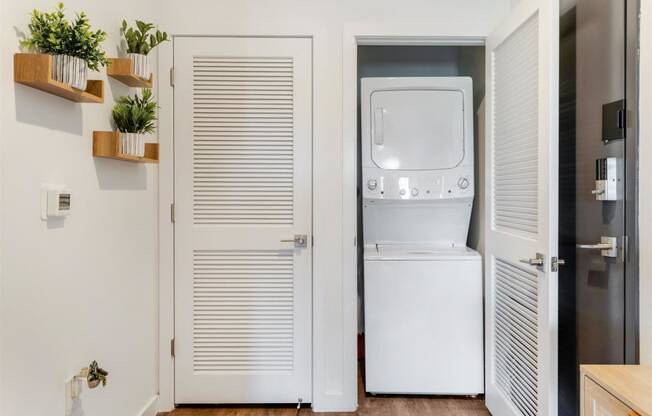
172	212
172	76
172	347
625	249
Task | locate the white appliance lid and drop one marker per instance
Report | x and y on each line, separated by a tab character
431	252
417	128
417	222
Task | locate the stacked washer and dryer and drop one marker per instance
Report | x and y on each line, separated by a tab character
423	294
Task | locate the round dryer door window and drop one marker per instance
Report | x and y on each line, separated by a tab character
417	129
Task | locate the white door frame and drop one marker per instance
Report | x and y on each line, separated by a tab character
353	37
165	284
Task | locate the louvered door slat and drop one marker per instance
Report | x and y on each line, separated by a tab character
218	290
515	124
212	148
516	335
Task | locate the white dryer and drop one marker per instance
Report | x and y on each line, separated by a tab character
422	285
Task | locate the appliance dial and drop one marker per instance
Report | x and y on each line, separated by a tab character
462	183
415	192
401	192
372	184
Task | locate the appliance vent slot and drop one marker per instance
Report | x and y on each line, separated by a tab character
515	132
243	311
243	140
516	335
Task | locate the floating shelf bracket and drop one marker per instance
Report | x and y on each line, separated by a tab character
35	70
122	70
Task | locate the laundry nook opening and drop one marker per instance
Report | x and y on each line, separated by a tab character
420	219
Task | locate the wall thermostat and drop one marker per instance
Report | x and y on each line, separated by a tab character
55	201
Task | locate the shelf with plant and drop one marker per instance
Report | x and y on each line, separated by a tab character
61	54
135	70
134	117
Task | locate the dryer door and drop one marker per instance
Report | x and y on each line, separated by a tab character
417	129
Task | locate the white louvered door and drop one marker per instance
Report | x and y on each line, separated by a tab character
243	175
521	199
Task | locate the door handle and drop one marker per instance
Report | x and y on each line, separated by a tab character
378	126
537	261
299	240
607	245
599	246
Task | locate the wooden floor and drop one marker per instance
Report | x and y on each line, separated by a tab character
368	405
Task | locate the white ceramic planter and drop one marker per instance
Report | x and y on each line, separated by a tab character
70	70
140	64
132	144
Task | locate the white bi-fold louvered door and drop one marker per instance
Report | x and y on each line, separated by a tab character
521	199
242	166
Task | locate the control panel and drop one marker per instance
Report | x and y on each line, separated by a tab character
398	185
608	186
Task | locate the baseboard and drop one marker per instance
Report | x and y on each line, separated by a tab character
151	408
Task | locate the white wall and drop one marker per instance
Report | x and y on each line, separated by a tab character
334	334
84	288
645	177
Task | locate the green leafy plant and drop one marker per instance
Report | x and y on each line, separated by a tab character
95	373
135	114
139	40
51	33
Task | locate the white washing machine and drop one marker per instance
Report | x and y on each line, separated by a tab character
422	285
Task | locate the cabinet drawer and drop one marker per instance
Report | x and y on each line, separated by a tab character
599	402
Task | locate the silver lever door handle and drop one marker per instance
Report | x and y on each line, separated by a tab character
599	246
532	262
607	245
537	261
299	240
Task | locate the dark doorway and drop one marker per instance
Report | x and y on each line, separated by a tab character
598	288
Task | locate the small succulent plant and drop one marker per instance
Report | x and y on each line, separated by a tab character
96	375
139	40
135	114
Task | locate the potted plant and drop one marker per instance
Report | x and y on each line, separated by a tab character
133	117
96	375
139	44
74	46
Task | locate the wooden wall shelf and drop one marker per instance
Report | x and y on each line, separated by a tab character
122	70
107	144
35	70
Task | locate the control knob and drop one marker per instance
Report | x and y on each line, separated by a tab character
372	184
462	183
